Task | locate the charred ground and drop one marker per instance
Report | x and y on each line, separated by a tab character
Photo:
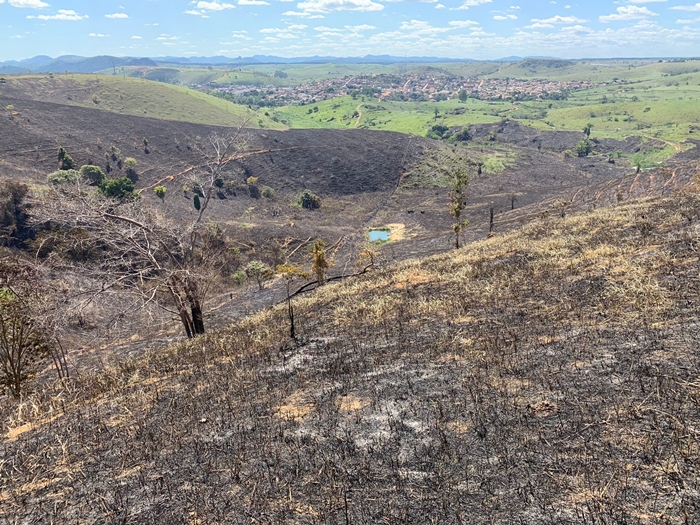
546	375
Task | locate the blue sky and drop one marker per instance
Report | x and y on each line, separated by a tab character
480	29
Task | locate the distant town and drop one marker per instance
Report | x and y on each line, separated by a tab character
412	87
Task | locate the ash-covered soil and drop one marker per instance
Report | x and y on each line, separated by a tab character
549	376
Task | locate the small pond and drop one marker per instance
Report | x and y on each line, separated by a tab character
379	235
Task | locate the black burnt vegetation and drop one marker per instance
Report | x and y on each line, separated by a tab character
546	375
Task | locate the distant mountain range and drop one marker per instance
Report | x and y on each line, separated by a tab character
70	63
78	64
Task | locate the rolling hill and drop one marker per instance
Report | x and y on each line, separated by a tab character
130	96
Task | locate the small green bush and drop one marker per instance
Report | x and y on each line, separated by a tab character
160	192
130	165
60	177
268	192
309	201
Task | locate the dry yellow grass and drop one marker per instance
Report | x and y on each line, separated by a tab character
549	373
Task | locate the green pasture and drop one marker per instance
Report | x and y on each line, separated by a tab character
131	96
405	117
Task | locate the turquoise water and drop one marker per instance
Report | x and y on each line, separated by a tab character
378	235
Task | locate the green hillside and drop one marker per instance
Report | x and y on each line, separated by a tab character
130	96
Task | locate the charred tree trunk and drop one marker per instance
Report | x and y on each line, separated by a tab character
187	323
290	312
197	318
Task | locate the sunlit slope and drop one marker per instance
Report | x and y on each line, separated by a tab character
547	375
129	96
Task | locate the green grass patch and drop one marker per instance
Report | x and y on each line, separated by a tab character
130	96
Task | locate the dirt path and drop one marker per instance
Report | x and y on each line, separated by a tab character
359	118
677	147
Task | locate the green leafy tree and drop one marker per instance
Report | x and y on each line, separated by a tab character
197	202
65	161
92	174
463	135
587	129
458	200
321	263
462	95
584	148
259	272
121	188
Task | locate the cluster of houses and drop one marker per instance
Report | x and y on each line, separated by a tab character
416	87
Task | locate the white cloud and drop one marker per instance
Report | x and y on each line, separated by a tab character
559	20
688	21
420	27
213	6
576	29
500	18
695	7
302	14
327	6
97	35
31	4
195	13
252	2
463	23
291	32
136	37
631	12
439	6
117	15
63	14
470	3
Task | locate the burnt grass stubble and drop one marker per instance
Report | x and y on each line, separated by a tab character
547	397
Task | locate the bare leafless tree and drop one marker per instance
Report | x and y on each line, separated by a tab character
30	316
128	245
